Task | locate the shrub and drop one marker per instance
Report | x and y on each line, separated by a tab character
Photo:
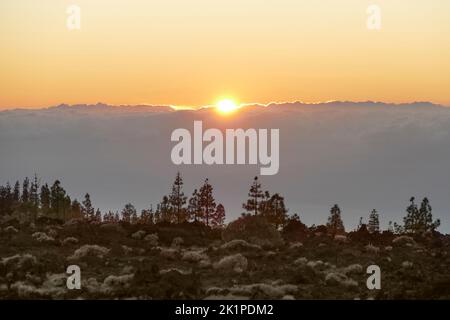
10	230
169	253
194	256
403	241
239	245
353	268
152	239
113	283
89	250
295	231
295	246
301	261
19	262
407	264
334	278
177	242
42	237
253	229
237	263
69	241
340	238
138	235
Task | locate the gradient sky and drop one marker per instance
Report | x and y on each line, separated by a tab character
194	52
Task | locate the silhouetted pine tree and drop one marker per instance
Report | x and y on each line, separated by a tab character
146	216
166	213
59	201
157	215
207	202
87	209
374	222
109	217
177	199
134	217
16	192
6	199
264	205
219	216
194	208
255	193
361	223
127	212
419	220
76	210
98	216
335	225
276	211
45	199
25	190
34	197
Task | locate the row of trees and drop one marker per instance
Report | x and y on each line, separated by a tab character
32	200
271	207
201	207
417	220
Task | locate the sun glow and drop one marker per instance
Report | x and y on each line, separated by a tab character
227	106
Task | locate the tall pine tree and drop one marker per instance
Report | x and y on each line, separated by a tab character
255	194
59	201
194	208
76	210
25	190
45	199
419	220
16	192
165	210
335	225
207	202
374	222
219	216
34	197
177	199
128	212
276	211
87	209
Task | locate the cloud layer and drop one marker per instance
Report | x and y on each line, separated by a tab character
359	155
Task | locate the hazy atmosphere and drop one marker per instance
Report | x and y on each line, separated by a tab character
362	156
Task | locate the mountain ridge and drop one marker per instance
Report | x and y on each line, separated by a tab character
167	108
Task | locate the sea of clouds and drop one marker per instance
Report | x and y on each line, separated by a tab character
359	155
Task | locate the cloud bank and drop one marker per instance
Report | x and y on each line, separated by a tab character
360	155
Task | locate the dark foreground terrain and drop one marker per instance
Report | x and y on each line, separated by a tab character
190	261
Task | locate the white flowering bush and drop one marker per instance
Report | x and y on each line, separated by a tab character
89	250
42	237
69	241
237	263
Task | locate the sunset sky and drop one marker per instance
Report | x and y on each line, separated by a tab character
193	53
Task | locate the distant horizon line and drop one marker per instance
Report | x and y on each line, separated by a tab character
193	108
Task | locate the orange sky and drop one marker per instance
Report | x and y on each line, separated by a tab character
192	53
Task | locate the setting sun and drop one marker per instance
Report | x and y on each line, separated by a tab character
226	106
